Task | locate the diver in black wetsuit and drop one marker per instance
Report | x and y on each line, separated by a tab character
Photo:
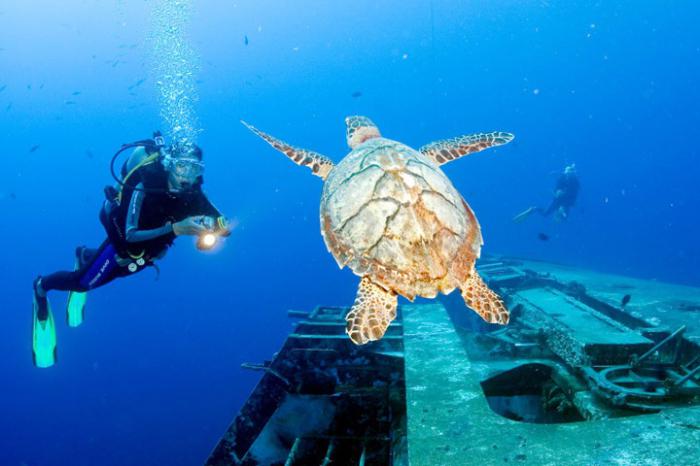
565	195
158	198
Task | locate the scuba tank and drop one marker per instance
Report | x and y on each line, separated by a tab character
154	150
113	212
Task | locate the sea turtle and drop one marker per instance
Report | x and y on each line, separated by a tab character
390	214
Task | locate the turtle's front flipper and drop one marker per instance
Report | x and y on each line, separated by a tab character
319	164
447	150
371	314
479	297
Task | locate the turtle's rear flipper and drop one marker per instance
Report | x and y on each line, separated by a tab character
447	150
371	314
479	297
319	164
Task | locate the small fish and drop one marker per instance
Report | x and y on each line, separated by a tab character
9	106
2	88
137	83
29	87
245	40
13	196
89	154
34	148
542	237
625	299
41	86
356	94
69	102
76	93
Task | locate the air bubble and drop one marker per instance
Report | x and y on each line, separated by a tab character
175	65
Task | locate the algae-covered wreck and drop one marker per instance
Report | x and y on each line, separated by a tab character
575	378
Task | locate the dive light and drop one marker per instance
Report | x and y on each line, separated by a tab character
207	240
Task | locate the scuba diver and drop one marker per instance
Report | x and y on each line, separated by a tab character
565	194
157	198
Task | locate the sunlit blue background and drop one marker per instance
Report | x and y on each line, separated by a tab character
153	376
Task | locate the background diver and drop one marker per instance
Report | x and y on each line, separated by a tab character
158	197
565	194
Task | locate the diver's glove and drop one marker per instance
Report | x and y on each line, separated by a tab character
219	226
191	226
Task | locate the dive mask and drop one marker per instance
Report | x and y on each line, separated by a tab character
187	168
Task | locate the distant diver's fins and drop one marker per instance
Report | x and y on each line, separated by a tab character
524	214
75	308
44	333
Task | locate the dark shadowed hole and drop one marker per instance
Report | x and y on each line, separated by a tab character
528	393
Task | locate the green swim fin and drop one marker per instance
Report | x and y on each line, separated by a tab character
44	334
75	308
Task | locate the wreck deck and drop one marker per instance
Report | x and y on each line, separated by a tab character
443	388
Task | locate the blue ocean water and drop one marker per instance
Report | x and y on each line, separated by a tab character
153	376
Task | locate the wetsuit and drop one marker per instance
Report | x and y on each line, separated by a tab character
565	194
139	231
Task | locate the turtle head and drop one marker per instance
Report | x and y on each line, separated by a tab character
359	129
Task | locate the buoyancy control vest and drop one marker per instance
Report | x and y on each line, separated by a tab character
147	172
159	207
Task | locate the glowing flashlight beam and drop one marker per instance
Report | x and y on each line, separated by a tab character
207	241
